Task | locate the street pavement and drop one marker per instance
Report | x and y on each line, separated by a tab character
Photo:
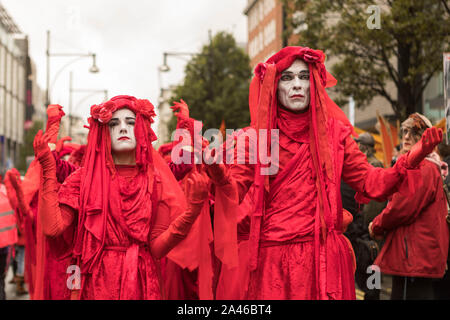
386	286
10	288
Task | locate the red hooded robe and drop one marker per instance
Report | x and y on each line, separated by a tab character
297	249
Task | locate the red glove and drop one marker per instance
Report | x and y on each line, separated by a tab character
430	139
218	172
43	154
16	182
54	115
60	143
14	177
197	194
180	109
197	188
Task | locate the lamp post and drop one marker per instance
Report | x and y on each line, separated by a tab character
78	56
72	90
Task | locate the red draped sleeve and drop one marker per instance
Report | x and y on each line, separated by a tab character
370	182
403	210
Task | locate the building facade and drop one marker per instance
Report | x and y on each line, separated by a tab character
14	70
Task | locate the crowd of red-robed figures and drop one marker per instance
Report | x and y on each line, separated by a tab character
49	272
287	229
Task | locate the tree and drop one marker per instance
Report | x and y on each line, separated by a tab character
216	84
406	50
27	147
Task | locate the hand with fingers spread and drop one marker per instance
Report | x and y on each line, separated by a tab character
180	109
430	139
42	151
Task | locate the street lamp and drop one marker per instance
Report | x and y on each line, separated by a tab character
165	67
92	69
72	90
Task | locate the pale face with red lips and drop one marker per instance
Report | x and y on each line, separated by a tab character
293	87
121	130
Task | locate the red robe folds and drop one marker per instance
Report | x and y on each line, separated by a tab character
297	249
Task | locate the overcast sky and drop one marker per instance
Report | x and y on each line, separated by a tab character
128	36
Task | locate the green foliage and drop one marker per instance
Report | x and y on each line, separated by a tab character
406	50
27	147
216	84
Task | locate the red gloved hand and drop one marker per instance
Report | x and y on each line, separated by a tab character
42	152
197	188
55	110
430	139
196	194
14	177
60	143
180	109
216	171
54	115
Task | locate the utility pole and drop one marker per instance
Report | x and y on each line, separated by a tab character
70	102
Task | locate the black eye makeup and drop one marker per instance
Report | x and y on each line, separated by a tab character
288	76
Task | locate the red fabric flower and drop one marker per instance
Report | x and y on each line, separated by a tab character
146	108
260	70
313	56
103	112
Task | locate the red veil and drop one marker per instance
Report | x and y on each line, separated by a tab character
97	196
264	113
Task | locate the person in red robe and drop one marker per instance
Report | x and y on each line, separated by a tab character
124	205
297	249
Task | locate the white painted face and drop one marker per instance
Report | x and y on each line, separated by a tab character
293	87
121	129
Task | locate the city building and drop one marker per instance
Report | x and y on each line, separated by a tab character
14	71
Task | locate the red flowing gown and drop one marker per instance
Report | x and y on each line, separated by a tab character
126	268
286	267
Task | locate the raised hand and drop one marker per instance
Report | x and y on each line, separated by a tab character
55	111
430	139
14	177
54	115
216	171
180	109
40	144
197	188
43	153
60	143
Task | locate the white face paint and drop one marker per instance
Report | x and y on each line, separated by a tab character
121	129
293	87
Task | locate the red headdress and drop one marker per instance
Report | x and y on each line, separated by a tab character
264	111
99	195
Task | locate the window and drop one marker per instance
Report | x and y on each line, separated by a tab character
269	32
299	19
268	6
